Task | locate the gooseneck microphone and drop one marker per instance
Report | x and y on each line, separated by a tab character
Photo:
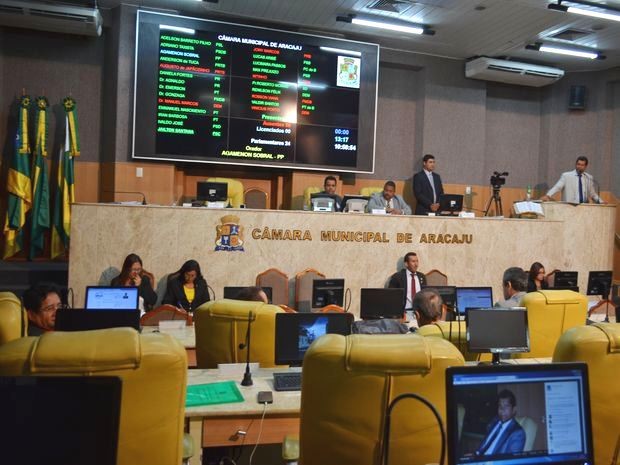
247	376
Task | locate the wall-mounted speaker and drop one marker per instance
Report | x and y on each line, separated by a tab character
577	98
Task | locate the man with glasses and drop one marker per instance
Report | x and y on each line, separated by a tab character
41	303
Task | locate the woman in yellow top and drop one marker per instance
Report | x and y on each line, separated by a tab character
187	288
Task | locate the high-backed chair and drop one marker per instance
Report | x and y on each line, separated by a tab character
308	191
13	320
303	289
368	191
235	190
599	346
256	198
436	278
221	325
278	282
349	382
153	369
549	314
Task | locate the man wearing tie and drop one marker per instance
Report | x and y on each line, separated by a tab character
388	200
427	187
504	434
577	186
409	278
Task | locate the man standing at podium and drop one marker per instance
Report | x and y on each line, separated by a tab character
427	187
577	186
409	279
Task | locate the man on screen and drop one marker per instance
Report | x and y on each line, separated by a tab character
577	186
427	187
329	187
504	434
388	200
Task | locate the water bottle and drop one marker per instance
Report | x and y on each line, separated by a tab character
528	195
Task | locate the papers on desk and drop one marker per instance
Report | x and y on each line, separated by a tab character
225	392
528	207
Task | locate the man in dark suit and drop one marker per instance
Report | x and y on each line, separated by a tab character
409	278
504	434
329	187
427	187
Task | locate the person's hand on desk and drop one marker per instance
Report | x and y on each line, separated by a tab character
434	207
546	198
393	211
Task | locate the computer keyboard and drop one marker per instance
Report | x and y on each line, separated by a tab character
290	381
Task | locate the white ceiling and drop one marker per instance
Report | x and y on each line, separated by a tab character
464	28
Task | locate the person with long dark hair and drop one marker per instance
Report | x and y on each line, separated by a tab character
134	275
536	279
187	288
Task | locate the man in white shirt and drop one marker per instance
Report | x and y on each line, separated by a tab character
577	186
409	278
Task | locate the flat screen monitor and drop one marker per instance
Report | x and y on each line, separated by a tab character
566	280
60	420
473	297
231	292
218	92
497	331
551	400
599	283
450	204
447	293
111	298
327	292
322	202
357	203
296	331
381	303
208	191
76	319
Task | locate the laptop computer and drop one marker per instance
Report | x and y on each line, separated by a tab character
75	319
473	297
544	411
111	298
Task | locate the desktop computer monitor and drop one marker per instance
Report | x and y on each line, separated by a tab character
382	303
497	331
447	294
60	420
599	283
551	401
208	191
327	292
450	204
111	298
296	331
566	280
76	319
231	292
473	297
323	202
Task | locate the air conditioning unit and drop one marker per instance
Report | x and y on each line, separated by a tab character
512	72
48	17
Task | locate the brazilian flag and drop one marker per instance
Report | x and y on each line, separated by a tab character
65	192
18	185
40	221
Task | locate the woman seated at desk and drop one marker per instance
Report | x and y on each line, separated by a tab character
133	275
536	278
187	288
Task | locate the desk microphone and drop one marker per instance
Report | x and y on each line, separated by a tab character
129	192
247	376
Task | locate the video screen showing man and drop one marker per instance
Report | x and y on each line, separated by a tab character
41	303
388	200
329	187
427	187
577	186
504	434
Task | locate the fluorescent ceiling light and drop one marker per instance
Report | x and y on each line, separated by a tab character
593	13
389	26
185	30
565	51
341	50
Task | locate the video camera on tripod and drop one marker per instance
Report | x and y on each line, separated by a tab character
498	179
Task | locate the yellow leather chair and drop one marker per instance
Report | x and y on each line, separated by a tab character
599	346
308	191
235	190
153	369
549	314
13	320
221	325
347	385
368	191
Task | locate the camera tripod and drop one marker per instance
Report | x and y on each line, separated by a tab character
496	199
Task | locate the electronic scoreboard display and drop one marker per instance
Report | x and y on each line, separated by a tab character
216	92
